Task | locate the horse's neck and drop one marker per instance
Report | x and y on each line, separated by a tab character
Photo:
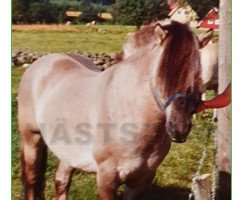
157	85
146	64
137	68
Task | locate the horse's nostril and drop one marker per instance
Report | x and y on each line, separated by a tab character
177	137
171	124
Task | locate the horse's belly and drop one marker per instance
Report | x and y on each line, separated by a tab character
75	152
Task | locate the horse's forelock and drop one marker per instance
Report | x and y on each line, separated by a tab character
180	62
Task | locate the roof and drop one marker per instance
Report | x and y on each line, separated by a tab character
211	20
105	15
73	13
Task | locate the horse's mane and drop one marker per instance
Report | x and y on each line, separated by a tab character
178	69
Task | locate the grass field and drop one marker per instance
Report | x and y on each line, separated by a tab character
43	39
174	176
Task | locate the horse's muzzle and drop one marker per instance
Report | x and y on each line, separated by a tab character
177	136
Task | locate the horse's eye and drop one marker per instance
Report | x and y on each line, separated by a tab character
180	103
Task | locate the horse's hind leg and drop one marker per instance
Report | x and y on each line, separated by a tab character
34	158
62	180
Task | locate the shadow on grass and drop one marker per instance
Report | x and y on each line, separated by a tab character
156	192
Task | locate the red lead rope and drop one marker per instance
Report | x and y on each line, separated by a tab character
220	101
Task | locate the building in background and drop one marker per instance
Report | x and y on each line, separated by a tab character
211	20
105	16
72	16
182	13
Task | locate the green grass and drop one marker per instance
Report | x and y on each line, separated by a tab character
98	39
174	176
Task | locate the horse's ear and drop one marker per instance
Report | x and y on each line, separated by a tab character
205	38
160	34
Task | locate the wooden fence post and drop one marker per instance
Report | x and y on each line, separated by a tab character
224	128
202	187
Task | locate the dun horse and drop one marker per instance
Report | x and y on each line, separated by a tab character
118	123
209	66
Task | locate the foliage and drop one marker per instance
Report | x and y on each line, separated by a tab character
137	12
127	12
202	7
89	10
42	12
53	11
104	2
17	11
155	10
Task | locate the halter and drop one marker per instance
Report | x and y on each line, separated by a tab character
172	98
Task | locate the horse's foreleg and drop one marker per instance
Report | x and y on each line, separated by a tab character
62	180
107	183
133	192
34	158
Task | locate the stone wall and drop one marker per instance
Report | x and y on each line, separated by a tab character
103	61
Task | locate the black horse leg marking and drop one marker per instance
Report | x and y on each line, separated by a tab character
133	192
34	158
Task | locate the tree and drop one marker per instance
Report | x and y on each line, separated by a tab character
17	11
20	10
138	12
155	10
104	2
89	11
202	7
128	12
47	11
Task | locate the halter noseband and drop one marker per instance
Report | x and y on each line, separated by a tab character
172	98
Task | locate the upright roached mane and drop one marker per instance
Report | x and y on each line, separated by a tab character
60	95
